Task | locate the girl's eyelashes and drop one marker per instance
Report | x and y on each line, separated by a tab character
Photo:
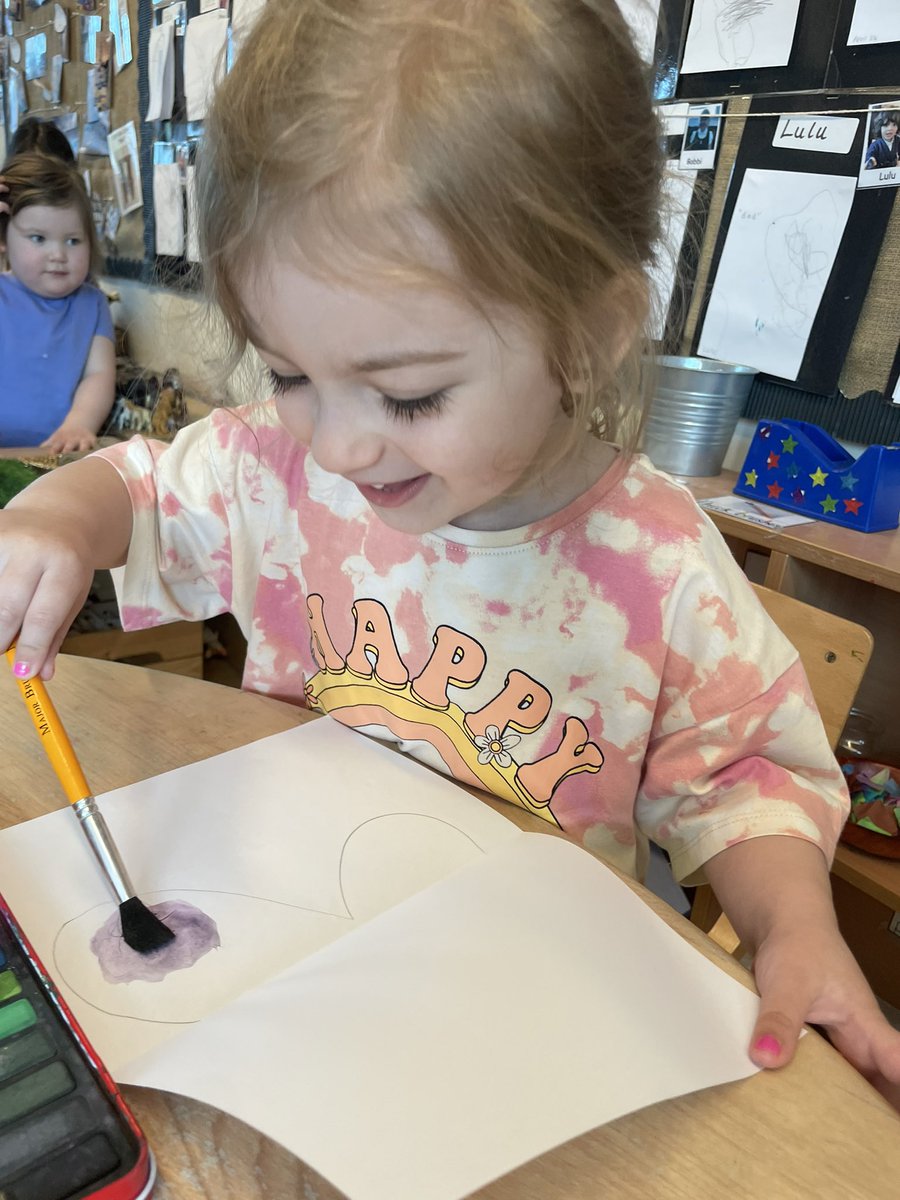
398	410
284	383
421	406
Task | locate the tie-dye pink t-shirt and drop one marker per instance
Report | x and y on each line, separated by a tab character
608	668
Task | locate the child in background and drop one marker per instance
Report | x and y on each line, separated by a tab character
42	137
883	151
432	220
57	351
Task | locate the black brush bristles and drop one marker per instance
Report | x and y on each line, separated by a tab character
142	929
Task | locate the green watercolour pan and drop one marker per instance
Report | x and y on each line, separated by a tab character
64	1128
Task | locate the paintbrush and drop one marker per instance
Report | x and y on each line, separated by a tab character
142	929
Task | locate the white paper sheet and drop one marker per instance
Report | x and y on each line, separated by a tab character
192	247
751	510
874	21
779	253
244	14
643	19
515	1005
410	993
677	191
168	208
204	61
120	27
732	35
126	165
161	72
822	134
285	843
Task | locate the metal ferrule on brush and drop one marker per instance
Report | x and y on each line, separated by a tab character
97	833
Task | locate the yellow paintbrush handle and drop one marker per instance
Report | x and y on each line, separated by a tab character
53	736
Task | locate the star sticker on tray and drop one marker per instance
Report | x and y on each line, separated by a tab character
775	490
849	481
798	495
828	504
793	470
788	444
751	478
818	477
772	460
853	506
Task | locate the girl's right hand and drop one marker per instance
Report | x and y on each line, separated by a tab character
45	576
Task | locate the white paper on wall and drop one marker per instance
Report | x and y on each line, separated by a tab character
161	72
204	61
733	35
781	246
168	209
874	21
192	247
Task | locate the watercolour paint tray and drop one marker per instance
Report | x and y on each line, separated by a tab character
799	467
65	1131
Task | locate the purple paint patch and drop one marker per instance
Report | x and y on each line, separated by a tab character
195	935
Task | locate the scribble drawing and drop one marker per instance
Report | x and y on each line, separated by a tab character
734	28
259	936
799	254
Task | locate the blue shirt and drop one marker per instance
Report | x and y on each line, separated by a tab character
44	346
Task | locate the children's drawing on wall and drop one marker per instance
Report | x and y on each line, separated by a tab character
730	35
799	258
778	255
880	165
701	137
873	22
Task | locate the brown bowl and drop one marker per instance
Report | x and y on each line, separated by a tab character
878	844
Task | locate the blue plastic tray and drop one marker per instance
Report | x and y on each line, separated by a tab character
798	466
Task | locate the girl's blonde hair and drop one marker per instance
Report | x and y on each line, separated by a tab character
521	130
36	178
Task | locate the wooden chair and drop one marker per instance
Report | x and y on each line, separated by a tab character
834	653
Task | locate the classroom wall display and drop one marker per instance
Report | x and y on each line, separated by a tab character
866	49
797	242
733	47
880	166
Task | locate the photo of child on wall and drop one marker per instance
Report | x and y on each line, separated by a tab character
881	147
701	135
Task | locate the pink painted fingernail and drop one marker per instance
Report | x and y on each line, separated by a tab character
22	669
768	1044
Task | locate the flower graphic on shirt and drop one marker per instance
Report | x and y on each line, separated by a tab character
494	748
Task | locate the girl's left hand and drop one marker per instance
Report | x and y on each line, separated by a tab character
69	439
807	974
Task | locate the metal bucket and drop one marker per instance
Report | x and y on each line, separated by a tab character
695	409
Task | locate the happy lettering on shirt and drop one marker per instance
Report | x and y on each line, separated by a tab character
371	685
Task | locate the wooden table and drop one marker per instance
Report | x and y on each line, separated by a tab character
872	557
815	1128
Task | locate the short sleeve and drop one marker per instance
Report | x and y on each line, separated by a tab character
104	325
737	748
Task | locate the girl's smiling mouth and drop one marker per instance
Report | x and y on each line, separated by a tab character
393	495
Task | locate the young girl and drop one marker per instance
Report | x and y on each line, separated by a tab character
57	353
432	218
